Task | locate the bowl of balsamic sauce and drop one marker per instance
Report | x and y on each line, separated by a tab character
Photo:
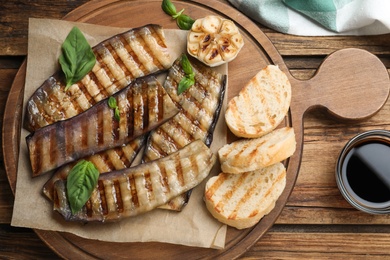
363	172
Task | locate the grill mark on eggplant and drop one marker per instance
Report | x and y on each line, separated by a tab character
181	131
155	61
139	49
118	196
133	188
87	95
69	144
163	149
100	55
152	98
113	48
149	186
149	51
153	150
171	144
179	172
101	117
160	107
126	162
137	111
103	52
157	35
44	108
130	114
129	192
88	207
103	201
84	127
141	65
164	180
121	45
134	60
100	126
101	90
106	158
115	124
145	109
72	99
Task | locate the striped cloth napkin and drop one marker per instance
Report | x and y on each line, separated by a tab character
319	17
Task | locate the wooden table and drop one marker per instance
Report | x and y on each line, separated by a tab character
316	223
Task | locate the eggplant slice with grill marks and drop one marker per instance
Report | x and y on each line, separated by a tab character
136	190
199	107
119	60
106	161
143	106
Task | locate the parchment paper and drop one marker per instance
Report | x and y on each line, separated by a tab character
194	226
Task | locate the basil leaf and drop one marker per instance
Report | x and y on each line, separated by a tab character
185	64
117	114
77	58
189	78
168	7
184	22
113	105
184	84
112	102
81	181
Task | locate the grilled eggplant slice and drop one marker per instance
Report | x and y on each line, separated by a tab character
106	161
199	112
136	190
120	59
143	105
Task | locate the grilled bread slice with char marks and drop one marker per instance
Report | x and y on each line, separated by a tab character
261	105
119	60
136	190
251	154
241	200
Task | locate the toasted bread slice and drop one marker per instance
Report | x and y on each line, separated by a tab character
241	200
252	154
261	105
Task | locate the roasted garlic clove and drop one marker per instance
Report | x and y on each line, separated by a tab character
214	40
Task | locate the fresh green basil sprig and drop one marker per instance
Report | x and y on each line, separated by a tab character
77	58
80	183
113	105
183	21
189	78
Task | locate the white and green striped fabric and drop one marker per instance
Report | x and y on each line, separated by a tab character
320	17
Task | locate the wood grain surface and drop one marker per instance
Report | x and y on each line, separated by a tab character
316	222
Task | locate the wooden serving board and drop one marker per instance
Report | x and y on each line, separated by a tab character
351	84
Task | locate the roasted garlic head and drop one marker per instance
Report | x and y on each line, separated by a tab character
214	40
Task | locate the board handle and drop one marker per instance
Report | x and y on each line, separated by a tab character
351	85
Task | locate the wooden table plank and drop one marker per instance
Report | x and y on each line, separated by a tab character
22	243
14	17
6	198
320	246
323	244
292	45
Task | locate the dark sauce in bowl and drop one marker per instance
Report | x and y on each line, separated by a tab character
363	172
